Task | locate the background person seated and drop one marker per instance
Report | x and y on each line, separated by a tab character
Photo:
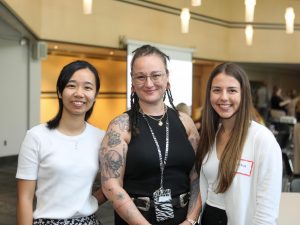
277	100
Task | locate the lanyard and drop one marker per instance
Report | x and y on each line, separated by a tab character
162	163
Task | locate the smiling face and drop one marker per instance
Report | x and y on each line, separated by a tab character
79	94
152	70
225	96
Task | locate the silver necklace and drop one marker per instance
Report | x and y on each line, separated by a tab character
159	120
162	162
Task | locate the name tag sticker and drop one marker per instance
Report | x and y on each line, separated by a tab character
164	199
245	167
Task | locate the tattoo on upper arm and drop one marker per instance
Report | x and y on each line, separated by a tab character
112	161
113	138
194	140
122	122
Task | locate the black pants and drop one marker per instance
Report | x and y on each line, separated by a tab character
213	216
179	217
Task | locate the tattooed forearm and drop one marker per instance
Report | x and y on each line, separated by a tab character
194	190
120	196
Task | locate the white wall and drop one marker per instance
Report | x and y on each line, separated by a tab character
14	97
19	90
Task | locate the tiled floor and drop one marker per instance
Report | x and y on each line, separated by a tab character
8	197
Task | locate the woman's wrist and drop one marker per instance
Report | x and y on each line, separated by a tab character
191	221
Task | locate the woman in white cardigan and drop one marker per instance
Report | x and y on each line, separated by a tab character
239	160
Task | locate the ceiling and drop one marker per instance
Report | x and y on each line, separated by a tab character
60	48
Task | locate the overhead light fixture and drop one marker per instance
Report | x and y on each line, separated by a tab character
23	41
249	34
250	5
289	20
195	2
87	6
185	19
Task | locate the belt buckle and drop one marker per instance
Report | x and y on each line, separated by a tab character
146	200
182	202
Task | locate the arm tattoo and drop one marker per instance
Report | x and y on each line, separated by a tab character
194	190
194	142
194	139
113	138
122	121
113	161
120	196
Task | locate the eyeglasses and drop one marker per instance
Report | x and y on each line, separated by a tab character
140	78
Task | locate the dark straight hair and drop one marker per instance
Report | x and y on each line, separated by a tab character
64	77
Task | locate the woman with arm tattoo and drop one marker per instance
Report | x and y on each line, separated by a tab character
148	153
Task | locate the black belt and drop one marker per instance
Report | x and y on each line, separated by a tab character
144	203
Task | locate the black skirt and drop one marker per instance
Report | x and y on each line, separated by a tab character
213	216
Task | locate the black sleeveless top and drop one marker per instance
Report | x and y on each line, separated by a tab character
142	173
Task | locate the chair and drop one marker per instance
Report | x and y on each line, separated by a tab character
283	134
296	142
289	172
276	114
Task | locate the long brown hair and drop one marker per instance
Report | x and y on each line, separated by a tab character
210	122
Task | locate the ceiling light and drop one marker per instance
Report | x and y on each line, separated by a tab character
87	6
250	5
185	19
289	20
249	34
195	2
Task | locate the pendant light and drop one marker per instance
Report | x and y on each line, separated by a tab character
249	34
87	6
289	20
185	20
250	6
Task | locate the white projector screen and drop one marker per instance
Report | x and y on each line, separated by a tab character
180	68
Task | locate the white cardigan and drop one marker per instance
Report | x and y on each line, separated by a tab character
254	195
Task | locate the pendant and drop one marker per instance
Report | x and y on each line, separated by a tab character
160	123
